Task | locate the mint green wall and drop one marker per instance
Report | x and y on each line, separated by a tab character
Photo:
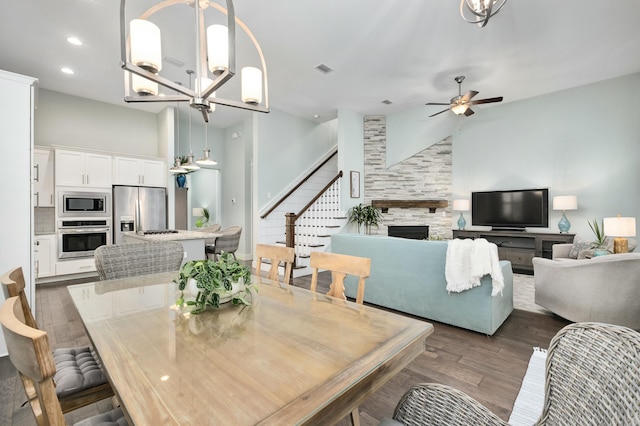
582	141
285	147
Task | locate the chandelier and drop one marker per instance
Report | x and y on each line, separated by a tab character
481	10
215	56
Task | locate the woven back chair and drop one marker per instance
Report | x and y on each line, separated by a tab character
79	380
276	254
228	242
133	259
340	266
592	377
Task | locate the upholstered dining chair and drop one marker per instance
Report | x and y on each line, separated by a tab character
133	259
276	254
340	266
592	375
79	379
227	242
30	354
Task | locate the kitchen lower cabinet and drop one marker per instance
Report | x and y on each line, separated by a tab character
45	255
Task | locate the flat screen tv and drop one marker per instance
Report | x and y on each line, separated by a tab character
512	209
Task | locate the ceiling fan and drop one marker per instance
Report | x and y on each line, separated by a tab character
461	104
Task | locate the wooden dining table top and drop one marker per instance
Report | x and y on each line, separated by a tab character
292	357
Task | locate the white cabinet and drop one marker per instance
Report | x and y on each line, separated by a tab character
75	168
45	255
136	171
43	187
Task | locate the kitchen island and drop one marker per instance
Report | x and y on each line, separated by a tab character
192	241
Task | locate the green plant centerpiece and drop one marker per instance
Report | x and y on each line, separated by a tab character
366	215
600	243
204	219
215	281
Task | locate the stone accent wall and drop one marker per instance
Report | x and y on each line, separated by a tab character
424	176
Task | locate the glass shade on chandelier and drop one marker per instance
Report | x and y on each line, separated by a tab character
479	11
461	206
565	202
215	56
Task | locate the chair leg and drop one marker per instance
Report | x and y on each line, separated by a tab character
355	417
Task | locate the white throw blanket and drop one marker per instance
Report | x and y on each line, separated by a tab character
468	261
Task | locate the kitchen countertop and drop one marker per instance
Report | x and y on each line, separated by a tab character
180	235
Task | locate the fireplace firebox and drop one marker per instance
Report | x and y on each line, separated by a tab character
414	232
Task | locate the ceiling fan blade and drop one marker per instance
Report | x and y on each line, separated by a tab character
437	113
486	101
437	103
468	112
467	96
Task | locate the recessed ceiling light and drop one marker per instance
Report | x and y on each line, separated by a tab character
323	68
75	41
316	116
386	102
67	70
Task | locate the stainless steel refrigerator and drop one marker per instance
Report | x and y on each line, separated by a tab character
137	209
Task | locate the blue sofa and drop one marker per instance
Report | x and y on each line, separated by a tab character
409	276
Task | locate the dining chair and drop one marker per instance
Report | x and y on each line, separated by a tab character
591	377
227	242
30	354
340	266
276	254
133	259
79	380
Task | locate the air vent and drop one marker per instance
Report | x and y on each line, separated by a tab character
323	68
387	102
173	61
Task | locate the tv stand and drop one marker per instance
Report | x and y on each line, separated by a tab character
519	247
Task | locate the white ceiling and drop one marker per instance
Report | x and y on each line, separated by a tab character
405	51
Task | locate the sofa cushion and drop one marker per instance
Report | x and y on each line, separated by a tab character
579	244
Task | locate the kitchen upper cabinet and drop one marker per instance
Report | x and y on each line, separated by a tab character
45	255
136	171
43	187
75	168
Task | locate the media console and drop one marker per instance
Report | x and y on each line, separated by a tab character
519	247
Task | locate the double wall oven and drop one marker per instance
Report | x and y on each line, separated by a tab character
84	223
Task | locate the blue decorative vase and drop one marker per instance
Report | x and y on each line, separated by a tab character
181	180
564	224
461	222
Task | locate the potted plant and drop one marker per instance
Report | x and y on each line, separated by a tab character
366	215
600	243
204	219
214	282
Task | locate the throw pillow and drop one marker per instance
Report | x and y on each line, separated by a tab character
579	244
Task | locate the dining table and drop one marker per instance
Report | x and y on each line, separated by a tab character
291	357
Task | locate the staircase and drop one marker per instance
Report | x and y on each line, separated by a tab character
312	210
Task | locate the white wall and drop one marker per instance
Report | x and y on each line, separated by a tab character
350	156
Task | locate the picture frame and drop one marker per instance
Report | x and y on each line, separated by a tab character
355	184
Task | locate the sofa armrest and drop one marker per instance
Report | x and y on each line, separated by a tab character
560	250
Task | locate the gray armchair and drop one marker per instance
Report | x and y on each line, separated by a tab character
227	242
591	377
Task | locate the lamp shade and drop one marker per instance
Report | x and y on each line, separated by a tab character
565	202
461	205
218	48
619	226
251	85
146	49
196	211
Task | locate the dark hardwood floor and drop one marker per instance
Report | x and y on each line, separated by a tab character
490	369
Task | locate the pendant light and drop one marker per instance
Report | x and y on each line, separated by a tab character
205	160
191	164
177	167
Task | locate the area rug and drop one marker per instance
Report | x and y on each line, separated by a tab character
530	400
524	294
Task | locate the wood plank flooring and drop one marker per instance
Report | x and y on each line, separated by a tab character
490	369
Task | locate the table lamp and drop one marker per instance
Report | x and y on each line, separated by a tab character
619	228
461	206
565	202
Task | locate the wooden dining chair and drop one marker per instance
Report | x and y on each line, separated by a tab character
276	254
79	379
30	354
340	266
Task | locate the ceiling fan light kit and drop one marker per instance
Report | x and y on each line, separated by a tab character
479	11
215	53
460	105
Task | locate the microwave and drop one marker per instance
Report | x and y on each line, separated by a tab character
84	204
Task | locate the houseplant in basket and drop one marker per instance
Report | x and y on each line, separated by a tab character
215	282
